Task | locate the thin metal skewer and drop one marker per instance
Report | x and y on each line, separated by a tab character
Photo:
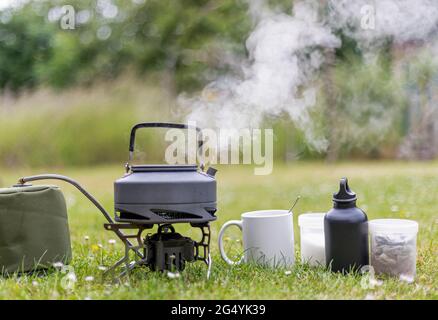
295	203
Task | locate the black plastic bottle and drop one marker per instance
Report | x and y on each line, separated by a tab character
346	232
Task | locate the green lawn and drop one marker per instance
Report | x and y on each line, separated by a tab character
396	190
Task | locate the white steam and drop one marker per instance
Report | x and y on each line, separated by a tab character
370	22
285	53
283	56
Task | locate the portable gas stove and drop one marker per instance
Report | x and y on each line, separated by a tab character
162	195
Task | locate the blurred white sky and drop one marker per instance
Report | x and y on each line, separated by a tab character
6	3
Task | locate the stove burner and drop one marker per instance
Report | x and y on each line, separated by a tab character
165	250
168	250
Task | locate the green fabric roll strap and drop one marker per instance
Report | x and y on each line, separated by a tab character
34	231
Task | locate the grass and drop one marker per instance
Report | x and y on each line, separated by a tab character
28	140
385	189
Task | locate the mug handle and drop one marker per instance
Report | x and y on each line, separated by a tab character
237	223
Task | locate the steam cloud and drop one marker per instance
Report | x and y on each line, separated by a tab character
286	51
399	20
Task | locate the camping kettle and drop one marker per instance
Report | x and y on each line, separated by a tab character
165	193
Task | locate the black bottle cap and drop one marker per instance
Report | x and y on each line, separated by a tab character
344	194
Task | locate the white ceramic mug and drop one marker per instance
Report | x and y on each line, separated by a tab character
268	238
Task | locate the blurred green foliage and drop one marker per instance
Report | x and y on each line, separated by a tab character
362	110
182	39
23	50
361	107
75	137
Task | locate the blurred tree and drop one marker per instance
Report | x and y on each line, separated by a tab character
182	40
23	47
421	135
185	38
362	104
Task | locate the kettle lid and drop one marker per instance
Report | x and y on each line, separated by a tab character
163	167
345	194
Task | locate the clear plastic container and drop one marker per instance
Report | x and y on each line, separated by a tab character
312	238
394	247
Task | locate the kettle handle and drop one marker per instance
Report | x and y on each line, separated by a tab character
157	125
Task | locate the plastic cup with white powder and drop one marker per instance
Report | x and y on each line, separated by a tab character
312	238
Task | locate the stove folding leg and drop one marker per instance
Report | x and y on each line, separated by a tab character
202	248
205	245
129	265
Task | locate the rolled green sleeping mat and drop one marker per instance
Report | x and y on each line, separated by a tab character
34	231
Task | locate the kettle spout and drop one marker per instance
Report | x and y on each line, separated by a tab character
211	171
